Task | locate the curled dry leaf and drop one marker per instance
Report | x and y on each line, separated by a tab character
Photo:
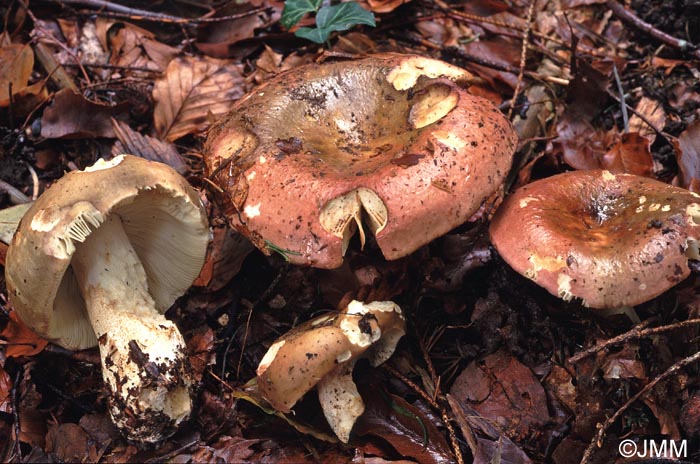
130	46
150	148
194	91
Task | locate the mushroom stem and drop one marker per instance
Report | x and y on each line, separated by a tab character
143	353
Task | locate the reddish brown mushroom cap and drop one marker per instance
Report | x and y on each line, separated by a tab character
609	240
395	141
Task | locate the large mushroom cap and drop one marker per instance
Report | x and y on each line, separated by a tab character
395	141
611	240
161	214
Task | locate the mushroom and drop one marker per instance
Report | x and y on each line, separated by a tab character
322	352
609	240
394	144
97	260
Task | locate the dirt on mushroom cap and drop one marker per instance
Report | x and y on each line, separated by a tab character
610	240
400	126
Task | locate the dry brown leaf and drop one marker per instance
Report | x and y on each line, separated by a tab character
193	91
5	391
505	391
688	157
219	39
133	47
631	154
73	116
130	141
653	111
16	63
21	341
385	6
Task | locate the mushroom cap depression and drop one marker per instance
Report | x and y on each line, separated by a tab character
161	214
393	140
610	240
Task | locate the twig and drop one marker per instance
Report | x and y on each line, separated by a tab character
523	56
639	331
623	105
464	426
16	196
138	14
599	437
17	450
630	18
435	405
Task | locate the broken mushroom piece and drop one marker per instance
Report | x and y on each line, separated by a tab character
322	353
97	260
609	240
391	144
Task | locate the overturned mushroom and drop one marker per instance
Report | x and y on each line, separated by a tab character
97	260
394	144
610	240
322	353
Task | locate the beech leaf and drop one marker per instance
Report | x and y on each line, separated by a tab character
193	91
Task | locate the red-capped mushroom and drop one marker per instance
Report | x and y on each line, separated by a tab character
392	143
609	240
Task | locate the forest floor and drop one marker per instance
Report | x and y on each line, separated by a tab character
492	368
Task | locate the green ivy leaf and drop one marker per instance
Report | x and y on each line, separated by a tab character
294	10
339	17
313	34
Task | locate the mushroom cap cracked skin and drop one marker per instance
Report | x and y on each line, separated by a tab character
161	214
610	240
392	141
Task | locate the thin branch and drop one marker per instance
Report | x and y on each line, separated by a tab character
117	10
599	437
630	18
637	332
523	57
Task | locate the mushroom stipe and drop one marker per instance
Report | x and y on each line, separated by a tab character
97	260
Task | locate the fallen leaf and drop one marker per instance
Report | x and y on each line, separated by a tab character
405	427
225	256
503	451
150	148
504	391
5	391
68	442
630	155
9	219
385	6
71	115
16	64
21	341
688	157
133	47
218	39
192	92
653	111
201	351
